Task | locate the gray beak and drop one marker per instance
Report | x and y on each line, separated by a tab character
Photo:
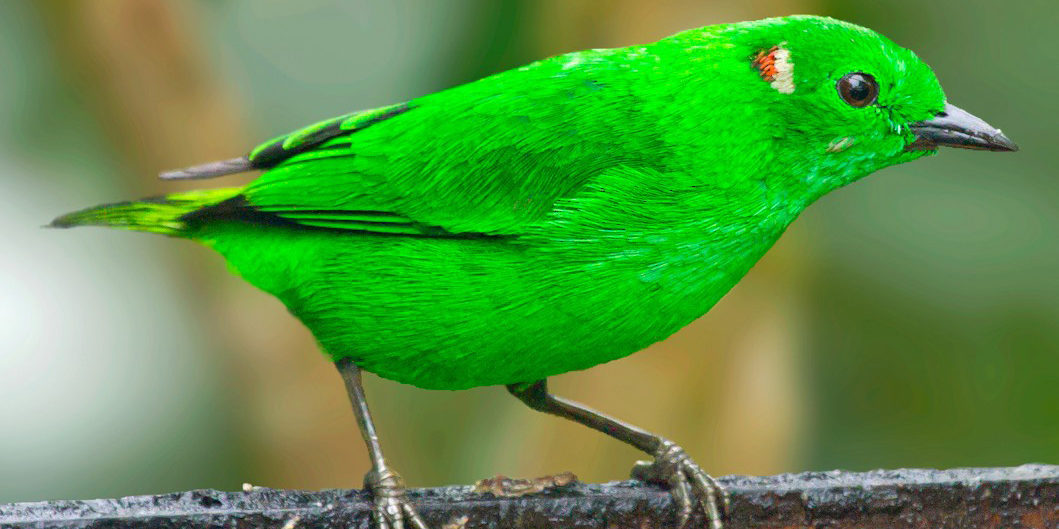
953	127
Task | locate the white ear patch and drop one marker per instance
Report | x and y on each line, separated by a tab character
776	67
784	81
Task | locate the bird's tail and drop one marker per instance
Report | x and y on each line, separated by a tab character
165	214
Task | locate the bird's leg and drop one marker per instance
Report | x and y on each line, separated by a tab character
392	508
671	466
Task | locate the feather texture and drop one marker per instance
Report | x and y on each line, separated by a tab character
555	216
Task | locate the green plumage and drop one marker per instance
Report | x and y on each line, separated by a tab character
555	216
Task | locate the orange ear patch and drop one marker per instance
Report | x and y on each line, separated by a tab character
765	63
775	66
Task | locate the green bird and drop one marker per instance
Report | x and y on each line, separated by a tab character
560	215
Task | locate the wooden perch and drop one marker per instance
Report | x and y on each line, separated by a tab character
1019	497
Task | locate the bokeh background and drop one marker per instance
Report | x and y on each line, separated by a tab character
909	320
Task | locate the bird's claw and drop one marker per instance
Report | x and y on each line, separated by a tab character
687	482
392	509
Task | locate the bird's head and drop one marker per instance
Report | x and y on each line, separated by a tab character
843	101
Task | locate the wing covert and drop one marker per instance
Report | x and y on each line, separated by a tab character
490	157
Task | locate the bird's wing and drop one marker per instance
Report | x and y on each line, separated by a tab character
277	150
489	158
282	148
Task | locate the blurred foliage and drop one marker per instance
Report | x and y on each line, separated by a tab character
909	320
935	299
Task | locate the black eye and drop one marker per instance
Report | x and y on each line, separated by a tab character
858	89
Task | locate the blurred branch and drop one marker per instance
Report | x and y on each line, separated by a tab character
1026	496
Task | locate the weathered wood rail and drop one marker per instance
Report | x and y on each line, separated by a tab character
1018	497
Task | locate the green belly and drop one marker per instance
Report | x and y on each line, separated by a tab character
460	313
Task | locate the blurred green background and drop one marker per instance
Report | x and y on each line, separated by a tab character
909	320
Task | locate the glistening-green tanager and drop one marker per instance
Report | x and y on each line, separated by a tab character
559	215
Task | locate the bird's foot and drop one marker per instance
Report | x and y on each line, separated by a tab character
688	484
392	508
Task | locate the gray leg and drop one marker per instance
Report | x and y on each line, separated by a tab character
392	509
672	467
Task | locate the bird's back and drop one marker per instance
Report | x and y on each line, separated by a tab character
542	220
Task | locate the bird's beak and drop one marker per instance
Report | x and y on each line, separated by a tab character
953	127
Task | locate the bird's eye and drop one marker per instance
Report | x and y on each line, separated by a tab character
858	89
